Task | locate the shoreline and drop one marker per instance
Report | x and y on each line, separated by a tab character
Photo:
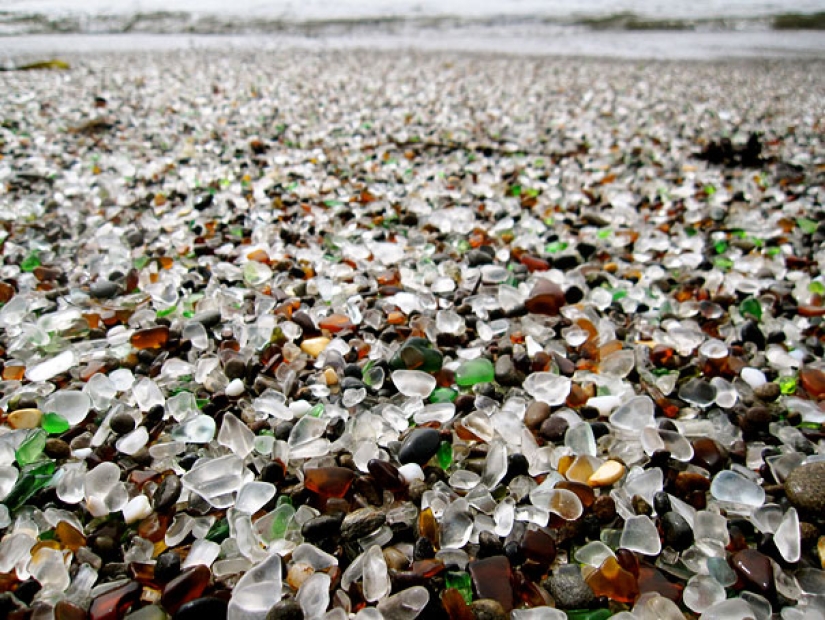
628	45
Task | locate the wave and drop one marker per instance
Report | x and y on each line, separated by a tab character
176	22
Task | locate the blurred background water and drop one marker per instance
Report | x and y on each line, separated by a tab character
626	28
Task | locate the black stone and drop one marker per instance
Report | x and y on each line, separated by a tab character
419	446
321	527
122	423
167	493
661	503
359	523
201	608
286	610
751	333
104	289
677	531
167	566
489	545
423	549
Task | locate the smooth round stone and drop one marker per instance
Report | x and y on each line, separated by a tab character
122	423
235	388
359	523
767	392
104	289
506	372
677	531
321	527
419	446
57	448
488	609
201	608
537	412
413	382
805	487
475	371
285	610
729	486
25	418
167	494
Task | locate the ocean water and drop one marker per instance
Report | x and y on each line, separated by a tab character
703	29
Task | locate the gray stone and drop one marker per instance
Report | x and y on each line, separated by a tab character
359	523
488	609
805	487
568	588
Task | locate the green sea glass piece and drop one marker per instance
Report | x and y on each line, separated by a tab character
461	582
479	370
32	448
54	423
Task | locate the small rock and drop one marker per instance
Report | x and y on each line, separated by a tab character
506	373
359	523
677	531
604	508
568	588
167	493
321	527
56	448
104	289
488	609
206	607
419	446
805	487
122	423
767	392
608	473
546	298
537	412
285	610
235	368
25	418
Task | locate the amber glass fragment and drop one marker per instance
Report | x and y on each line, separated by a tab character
114	604
613	582
813	380
428	526
335	323
329	481
150	338
186	587
455	606
652	580
69	537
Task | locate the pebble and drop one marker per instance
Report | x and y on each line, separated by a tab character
607	474
568	588
805	488
286	610
488	609
360	523
122	423
205	607
25	418
420	446
104	289
167	493
677	531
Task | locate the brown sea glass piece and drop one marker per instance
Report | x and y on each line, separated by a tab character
186	587
533	263
613	582
813	380
455	605
153	528
492	578
329	481
428	526
150	338
69	537
66	610
709	454
584	492
538	546
386	475
652	580
546	298
335	323
755	569
114	604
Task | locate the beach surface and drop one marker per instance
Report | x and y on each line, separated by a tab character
506	313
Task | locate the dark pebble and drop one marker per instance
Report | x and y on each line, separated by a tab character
167	566
767	392
419	446
751	333
208	318
537	412
286	610
122	423
57	448
805	488
167	493
361	522
677	531
235	368
488	609
104	289
321	527
604	508
489	545
755	569
661	503
201	608
506	373
568	588
554	428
